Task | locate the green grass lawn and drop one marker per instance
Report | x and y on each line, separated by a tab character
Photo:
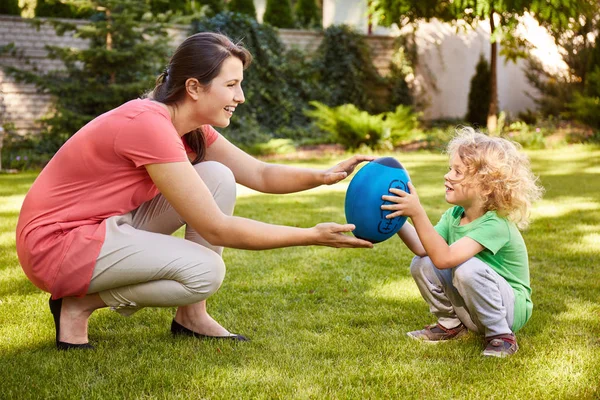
329	323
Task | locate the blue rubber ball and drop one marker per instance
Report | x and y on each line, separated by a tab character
363	199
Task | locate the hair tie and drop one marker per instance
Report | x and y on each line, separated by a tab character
166	72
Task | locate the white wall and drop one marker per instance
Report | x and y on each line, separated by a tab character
447	61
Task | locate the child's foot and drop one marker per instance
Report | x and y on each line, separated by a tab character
437	333
501	345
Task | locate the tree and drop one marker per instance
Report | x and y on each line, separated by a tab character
62	9
279	14
242	7
127	49
10	7
479	94
502	16
307	14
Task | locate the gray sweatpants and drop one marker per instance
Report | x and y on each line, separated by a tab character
142	265
471	293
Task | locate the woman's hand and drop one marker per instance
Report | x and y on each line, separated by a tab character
406	204
332	235
343	169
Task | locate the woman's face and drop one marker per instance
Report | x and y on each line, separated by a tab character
216	104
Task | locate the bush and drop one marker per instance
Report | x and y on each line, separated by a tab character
349	126
354	128
242	7
277	85
479	94
345	68
278	13
402	126
10	7
307	14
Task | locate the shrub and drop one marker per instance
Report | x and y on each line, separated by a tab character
354	128
345	69
402	126
276	86
349	126
10	7
278	13
479	94
307	14
400	93
242	7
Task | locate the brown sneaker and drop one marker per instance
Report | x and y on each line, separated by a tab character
436	333
501	346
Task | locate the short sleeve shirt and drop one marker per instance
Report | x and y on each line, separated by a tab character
504	251
98	173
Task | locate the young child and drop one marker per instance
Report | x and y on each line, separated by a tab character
472	267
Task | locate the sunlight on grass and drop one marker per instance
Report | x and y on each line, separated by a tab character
329	323
7	239
11	203
564	206
404	289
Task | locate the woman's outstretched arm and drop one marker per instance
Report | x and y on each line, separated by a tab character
187	193
276	178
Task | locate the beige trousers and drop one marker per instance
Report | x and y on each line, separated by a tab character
142	265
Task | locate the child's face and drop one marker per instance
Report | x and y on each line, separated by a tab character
458	192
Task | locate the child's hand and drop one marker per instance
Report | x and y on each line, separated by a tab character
406	204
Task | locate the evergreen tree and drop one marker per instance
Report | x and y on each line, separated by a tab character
278	13
10	7
242	7
127	49
479	94
214	7
307	14
163	6
59	9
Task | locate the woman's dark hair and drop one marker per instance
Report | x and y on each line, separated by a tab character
200	56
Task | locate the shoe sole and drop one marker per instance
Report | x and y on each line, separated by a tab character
429	341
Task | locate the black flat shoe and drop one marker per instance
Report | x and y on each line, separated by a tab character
55	308
178	329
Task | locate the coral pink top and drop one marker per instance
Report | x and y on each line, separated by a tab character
96	174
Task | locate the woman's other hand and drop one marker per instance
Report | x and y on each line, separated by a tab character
343	169
332	235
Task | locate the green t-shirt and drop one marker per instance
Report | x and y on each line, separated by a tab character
504	251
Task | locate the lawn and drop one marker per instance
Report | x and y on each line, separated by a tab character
329	323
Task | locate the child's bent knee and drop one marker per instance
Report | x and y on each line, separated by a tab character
418	264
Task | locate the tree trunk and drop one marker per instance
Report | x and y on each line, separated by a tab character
492	117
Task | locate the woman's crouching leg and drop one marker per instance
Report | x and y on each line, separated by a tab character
139	269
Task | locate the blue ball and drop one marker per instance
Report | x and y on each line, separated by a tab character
363	199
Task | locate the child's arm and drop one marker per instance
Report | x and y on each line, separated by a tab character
409	236
442	255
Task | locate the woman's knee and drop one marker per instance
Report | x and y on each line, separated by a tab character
213	171
205	278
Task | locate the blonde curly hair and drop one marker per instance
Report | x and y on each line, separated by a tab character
500	172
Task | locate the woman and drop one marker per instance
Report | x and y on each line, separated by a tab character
95	227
